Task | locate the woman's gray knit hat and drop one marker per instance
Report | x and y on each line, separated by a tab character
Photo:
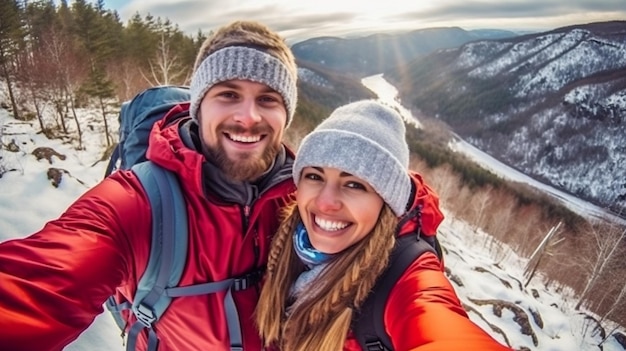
240	62
366	139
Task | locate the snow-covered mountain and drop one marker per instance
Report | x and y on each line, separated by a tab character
552	104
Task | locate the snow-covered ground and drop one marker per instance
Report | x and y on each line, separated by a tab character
28	200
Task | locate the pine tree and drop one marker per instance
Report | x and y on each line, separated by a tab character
99	87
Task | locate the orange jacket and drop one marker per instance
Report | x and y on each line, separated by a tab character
54	282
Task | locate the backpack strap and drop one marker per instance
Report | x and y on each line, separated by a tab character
168	249
168	254
369	328
116	309
228	285
115	156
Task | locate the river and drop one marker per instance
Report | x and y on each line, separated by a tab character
389	94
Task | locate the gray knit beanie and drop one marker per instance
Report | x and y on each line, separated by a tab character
366	139
240	62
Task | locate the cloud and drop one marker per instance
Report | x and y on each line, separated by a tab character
455	10
297	20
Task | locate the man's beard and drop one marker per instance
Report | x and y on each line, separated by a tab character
247	167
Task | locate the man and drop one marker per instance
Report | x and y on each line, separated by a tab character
235	175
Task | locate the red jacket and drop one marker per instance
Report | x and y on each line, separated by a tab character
423	312
54	282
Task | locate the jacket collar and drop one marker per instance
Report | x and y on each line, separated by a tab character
215	182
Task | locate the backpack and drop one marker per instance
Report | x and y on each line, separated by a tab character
136	119
368	326
168	252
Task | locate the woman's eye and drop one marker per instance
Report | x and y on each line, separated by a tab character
312	176
356	185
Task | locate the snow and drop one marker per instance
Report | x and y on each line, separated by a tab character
475	53
580	55
575	204
513	55
575	144
311	77
28	201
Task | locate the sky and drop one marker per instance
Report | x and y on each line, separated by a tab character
299	20
484	270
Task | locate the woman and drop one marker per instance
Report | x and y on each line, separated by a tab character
335	242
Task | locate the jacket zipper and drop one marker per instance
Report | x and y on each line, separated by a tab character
253	193
247	209
246	218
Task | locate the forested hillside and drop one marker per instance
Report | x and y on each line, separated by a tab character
82	55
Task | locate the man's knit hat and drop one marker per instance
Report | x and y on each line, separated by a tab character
248	51
367	140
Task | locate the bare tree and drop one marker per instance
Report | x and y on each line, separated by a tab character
479	205
165	68
443	180
544	247
501	222
606	244
129	79
34	75
3	167
69	71
619	300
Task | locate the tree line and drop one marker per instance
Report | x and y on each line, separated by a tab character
83	54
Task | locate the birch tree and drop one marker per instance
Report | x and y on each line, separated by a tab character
605	244
165	68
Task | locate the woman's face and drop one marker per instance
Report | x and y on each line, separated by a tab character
337	208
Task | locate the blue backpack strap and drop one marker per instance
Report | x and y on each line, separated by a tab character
168	253
368	327
168	250
116	311
112	165
228	285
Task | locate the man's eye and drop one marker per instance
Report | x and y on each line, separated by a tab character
268	99
228	94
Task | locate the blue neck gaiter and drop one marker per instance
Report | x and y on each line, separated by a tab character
309	255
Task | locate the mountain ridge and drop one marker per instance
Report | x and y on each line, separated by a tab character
378	52
551	104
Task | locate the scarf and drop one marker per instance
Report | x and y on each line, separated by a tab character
314	259
309	255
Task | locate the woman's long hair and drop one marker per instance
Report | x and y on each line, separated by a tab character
325	309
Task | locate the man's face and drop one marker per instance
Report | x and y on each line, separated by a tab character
242	125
